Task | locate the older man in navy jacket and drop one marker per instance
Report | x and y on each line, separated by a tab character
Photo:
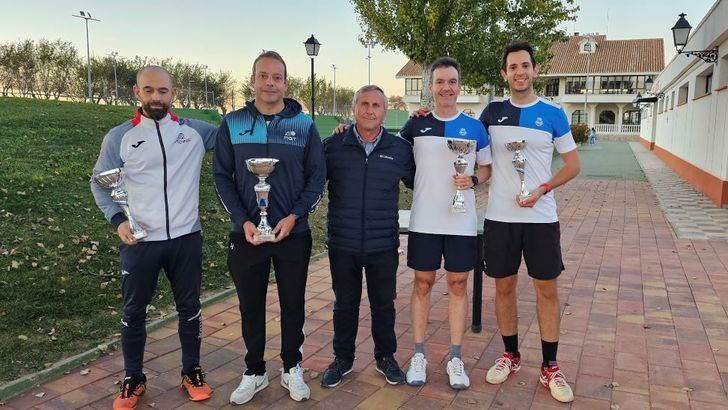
364	166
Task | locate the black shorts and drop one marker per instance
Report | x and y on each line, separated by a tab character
540	244
425	252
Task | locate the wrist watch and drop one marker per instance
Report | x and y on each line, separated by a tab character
475	180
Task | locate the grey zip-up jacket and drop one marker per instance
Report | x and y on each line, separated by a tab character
161	162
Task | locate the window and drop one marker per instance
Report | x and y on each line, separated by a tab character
552	87
672	100
468	91
412	86
682	94
631	117
578	117
606	117
704	83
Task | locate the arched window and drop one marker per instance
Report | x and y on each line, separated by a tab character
578	117
631	117
606	117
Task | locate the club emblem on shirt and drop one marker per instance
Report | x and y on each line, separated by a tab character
462	132
290	136
539	121
181	139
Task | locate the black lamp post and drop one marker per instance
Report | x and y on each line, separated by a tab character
680	34
312	49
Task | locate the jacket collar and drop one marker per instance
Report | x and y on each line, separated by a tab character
139	118
350	138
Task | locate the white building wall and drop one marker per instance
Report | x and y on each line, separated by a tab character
697	131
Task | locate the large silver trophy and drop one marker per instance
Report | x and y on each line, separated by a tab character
461	148
519	162
262	167
113	179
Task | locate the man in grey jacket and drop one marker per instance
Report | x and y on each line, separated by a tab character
161	156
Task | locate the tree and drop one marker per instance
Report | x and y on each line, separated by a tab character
471	31
396	102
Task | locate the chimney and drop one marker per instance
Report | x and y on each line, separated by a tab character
576	33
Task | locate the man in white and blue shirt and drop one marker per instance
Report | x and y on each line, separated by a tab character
435	232
527	228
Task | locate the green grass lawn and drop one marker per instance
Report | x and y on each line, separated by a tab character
59	276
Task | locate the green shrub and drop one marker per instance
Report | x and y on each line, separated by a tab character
580	133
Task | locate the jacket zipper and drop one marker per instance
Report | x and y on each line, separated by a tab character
164	166
363	199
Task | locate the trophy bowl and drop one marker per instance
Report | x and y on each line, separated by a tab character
261	167
109	179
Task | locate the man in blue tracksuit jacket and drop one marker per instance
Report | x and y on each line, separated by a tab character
364	167
270	127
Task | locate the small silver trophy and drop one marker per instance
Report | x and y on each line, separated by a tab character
460	147
519	162
262	167
112	179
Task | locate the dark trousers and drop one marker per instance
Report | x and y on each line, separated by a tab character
181	259
346	275
250	269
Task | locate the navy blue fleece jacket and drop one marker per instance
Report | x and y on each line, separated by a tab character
297	181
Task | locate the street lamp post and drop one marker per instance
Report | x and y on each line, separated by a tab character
334	67
87	16
680	34
370	44
586	81
207	104
189	92
312	49
114	54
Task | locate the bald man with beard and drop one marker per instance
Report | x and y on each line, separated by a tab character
161	156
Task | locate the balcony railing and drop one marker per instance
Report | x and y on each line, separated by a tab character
615	129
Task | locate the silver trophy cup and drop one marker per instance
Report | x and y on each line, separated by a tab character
262	167
519	162
112	179
461	148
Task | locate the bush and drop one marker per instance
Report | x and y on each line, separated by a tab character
580	132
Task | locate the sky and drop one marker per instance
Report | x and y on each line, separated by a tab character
227	35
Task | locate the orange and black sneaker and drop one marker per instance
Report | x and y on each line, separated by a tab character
195	385
131	388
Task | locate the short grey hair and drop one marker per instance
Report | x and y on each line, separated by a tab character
367	88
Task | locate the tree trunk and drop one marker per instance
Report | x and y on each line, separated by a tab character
426	100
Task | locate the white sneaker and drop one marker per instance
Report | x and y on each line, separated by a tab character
504	366
294	383
247	388
456	370
554	380
417	372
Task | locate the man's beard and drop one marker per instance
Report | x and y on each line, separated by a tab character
156	113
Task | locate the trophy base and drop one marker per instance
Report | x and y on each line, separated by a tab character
264	237
458	209
523	197
139	235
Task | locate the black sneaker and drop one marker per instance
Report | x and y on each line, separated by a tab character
336	371
390	369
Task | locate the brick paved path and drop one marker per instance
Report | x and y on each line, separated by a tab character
644	325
